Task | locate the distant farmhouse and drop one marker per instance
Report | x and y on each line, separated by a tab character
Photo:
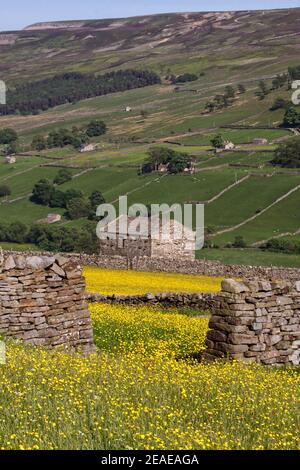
89	148
190	168
50	219
10	159
228	145
179	243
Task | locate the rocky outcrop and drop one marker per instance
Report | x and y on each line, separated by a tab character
42	302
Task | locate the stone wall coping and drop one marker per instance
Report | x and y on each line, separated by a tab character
192	267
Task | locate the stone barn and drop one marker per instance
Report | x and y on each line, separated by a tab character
135	237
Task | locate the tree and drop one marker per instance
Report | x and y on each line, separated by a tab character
158	155
279	81
96	199
239	242
96	128
288	154
186	77
263	90
5	190
11	149
279	103
291	118
175	162
38	143
73	194
58	199
42	192
78	208
241	88
63	176
178	163
217	142
229	92
16	232
294	72
8	136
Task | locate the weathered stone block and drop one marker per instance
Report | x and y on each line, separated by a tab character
215	335
271	340
235	287
236	338
232	348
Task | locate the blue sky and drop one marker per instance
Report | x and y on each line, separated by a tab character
16	14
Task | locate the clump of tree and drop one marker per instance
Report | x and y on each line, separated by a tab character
77	206
175	162
280	103
52	238
263	90
8	136
63	176
221	101
239	242
241	88
71	87
288	154
96	128
186	77
279	245
280	81
294	72
75	137
291	118
217	141
5	190
9	140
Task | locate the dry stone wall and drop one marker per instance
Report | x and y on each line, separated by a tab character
180	265
197	301
42	302
256	321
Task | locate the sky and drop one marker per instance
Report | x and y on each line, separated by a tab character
16	14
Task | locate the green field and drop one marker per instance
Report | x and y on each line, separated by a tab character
237	136
252	257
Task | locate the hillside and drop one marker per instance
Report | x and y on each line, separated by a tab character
244	194
239	42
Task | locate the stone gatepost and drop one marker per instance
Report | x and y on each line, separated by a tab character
256	321
42	302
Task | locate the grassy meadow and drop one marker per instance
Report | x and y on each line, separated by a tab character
142	390
133	283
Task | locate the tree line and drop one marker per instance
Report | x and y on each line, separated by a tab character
277	245
287	155
52	238
37	96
